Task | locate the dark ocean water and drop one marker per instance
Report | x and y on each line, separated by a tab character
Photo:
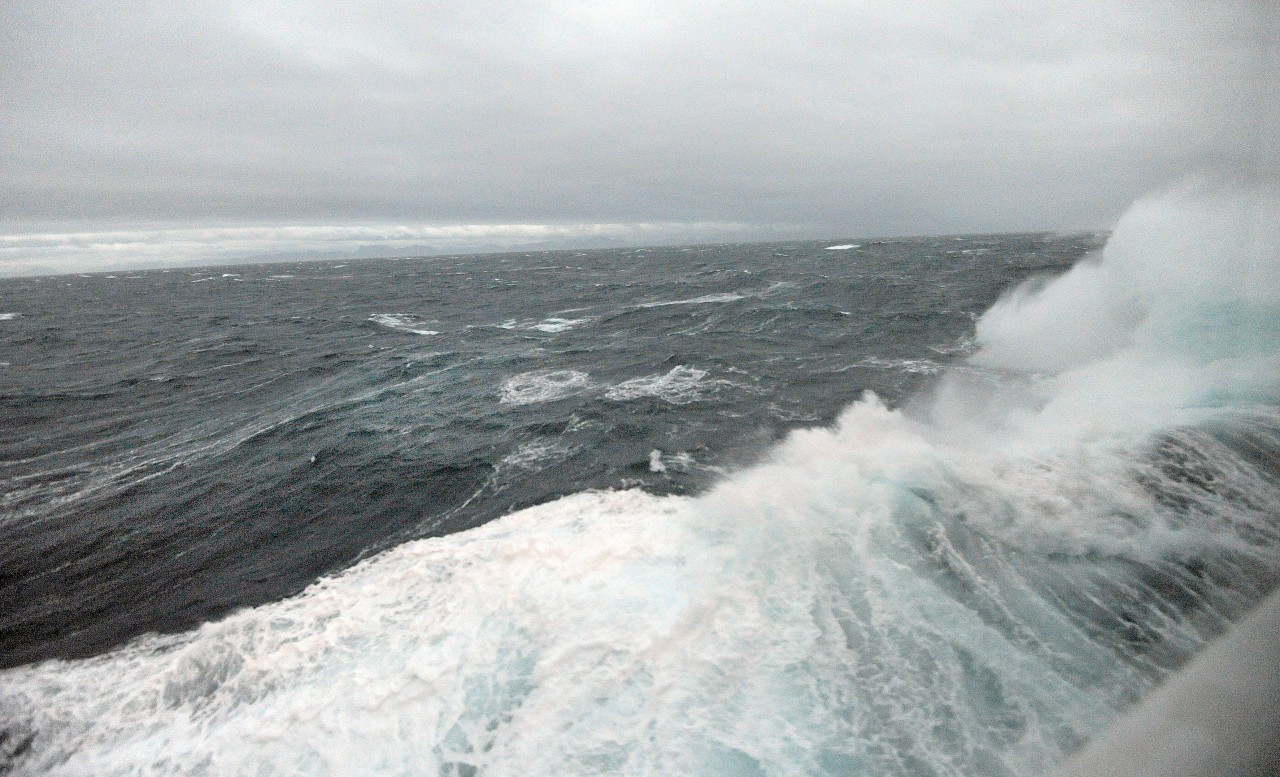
180	443
1025	527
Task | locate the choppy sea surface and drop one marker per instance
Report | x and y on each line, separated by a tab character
920	506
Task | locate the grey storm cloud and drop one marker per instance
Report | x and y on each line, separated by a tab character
822	118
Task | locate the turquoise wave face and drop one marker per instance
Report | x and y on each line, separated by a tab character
971	584
1181	310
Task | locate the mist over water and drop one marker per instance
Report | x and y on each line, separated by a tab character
970	579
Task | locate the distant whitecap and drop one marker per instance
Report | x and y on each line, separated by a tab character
917	366
554	324
551	324
543	386
536	454
404	322
729	296
680	386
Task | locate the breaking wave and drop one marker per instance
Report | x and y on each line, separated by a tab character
681	385
971	584
543	386
404	322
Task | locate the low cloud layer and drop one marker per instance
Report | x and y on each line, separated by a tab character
810	118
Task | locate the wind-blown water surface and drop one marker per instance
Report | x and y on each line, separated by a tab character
983	534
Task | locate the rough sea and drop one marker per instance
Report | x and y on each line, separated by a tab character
918	506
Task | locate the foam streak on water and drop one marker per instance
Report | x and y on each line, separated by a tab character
970	585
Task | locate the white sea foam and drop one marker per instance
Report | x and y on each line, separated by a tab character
923	591
532	456
610	633
551	324
843	247
729	296
680	461
559	324
918	366
404	322
680	386
1179	316
964	345
543	386
8	316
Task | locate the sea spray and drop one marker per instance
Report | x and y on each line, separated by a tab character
1180	313
972	584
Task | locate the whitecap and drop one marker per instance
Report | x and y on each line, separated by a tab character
680	386
971	589
964	345
8	316
728	296
916	366
532	456
680	461
554	324
843	247
551	324
543	386
404	322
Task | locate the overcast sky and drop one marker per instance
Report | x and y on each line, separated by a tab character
137	131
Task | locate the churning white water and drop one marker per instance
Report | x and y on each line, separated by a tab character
972	584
